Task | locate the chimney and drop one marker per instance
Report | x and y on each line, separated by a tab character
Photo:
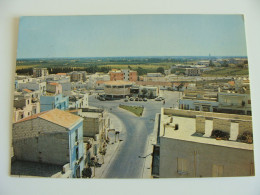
200	124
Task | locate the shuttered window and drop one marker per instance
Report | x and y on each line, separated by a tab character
217	170
182	166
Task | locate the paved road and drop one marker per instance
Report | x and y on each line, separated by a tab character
127	163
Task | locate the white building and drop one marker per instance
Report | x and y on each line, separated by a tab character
199	101
32	84
234	103
157	74
78	101
203	144
91	83
61	79
24	106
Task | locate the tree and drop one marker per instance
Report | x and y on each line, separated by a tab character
225	64
151	95
144	91
160	69
141	71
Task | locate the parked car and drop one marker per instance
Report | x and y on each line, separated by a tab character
145	99
126	100
158	99
136	99
131	99
162	98
140	99
102	99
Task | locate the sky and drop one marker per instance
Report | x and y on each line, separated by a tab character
131	35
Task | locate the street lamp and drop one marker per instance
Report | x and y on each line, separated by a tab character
117	133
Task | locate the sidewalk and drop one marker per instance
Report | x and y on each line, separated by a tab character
112	148
152	139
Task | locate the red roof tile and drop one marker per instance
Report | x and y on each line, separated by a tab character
100	82
27	90
54	83
59	117
62	74
31	117
232	83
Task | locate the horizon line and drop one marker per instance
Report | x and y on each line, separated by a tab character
132	56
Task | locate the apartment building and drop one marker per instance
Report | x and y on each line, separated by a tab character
40	72
124	74
24	106
77	76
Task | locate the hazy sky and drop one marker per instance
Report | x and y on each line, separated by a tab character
131	35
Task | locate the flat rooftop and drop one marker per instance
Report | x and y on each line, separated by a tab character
90	114
187	132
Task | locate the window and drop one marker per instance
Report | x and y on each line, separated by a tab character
182	166
76	135
249	101
77	153
217	170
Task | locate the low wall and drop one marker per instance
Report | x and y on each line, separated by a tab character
192	114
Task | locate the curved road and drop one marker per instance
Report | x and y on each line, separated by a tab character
127	163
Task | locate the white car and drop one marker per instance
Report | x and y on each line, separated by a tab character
158	99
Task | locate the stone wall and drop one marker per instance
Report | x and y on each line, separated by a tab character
201	158
245	126
38	140
190	113
222	124
91	127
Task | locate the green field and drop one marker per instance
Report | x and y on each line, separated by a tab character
141	65
226	71
137	110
